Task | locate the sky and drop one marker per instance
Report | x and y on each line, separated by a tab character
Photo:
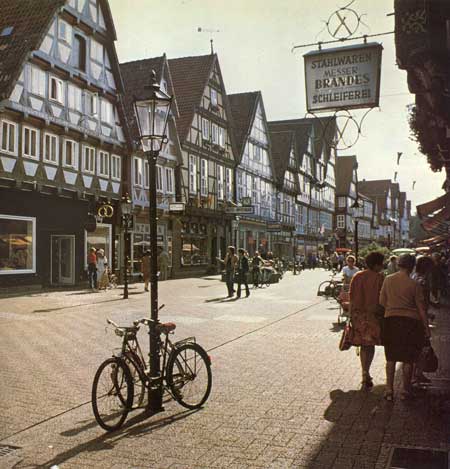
254	40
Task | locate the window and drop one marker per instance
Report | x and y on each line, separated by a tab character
159	179
205	129
107	111
342	202
9	137
213	97
115	167
137	172
51	152
146	175
192	174
56	90
103	163
256	153
222	137
96	51
30	142
203	177
64	31
292	159
220	176
228	181
91	104
88	159
70	153
169	181
74	97
340	221
79	52
17	245
214	134
37	79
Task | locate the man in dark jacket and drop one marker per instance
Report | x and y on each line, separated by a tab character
242	270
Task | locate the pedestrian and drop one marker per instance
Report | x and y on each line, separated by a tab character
365	312
242	271
392	265
102	274
145	268
334	261
349	271
341	260
257	262
163	263
230	263
405	324
92	268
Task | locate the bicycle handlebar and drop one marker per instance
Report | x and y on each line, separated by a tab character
145	321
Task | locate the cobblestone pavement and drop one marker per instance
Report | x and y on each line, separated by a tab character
283	395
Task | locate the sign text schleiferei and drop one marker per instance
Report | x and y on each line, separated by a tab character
343	78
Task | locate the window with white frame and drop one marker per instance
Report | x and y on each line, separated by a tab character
169	181
203	177
222	137
214	97
205	129
192	174
146	174
51	150
292	162
91	104
8	142
107	111
220	177
74	97
64	31
18	245
96	51
342	202
30	142
256	153
88	159
340	221
70	153
214	134
137	171
56	90
103	163
115	167
159	179
240	186
37	81
228	183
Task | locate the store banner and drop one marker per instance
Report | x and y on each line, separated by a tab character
343	78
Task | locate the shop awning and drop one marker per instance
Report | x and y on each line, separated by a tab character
435	240
433	206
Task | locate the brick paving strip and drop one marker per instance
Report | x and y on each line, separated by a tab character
283	396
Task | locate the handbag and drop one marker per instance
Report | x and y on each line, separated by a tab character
347	337
428	359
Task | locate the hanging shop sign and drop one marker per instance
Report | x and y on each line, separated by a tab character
240	210
343	78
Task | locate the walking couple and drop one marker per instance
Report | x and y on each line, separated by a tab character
390	312
236	266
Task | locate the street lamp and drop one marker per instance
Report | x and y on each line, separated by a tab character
152	113
357	213
126	208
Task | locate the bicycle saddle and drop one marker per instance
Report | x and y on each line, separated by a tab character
166	327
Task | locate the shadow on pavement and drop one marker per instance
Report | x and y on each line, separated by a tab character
109	440
219	299
49	310
337	327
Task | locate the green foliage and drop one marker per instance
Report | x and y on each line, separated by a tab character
374	247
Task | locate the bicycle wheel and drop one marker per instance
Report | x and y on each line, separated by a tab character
138	376
189	376
325	289
112	394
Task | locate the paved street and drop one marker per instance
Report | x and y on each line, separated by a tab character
283	395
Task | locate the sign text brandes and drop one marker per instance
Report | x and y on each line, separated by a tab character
343	78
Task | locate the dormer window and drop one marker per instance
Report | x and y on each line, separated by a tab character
79	52
56	90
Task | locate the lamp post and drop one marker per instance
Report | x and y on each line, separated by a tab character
356	212
126	208
152	112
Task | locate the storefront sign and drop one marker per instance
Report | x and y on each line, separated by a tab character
274	227
343	78
240	210
176	207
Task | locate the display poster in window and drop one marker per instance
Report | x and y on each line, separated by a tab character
343	78
16	245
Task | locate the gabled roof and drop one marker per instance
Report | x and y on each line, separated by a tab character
345	166
243	109
190	76
282	143
378	187
30	20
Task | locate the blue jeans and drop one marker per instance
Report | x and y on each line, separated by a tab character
92	275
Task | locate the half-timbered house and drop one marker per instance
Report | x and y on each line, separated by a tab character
136	75
208	161
62	142
254	173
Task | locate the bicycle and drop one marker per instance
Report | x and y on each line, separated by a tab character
330	288
265	276
121	381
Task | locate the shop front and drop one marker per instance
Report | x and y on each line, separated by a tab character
282	244
253	237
